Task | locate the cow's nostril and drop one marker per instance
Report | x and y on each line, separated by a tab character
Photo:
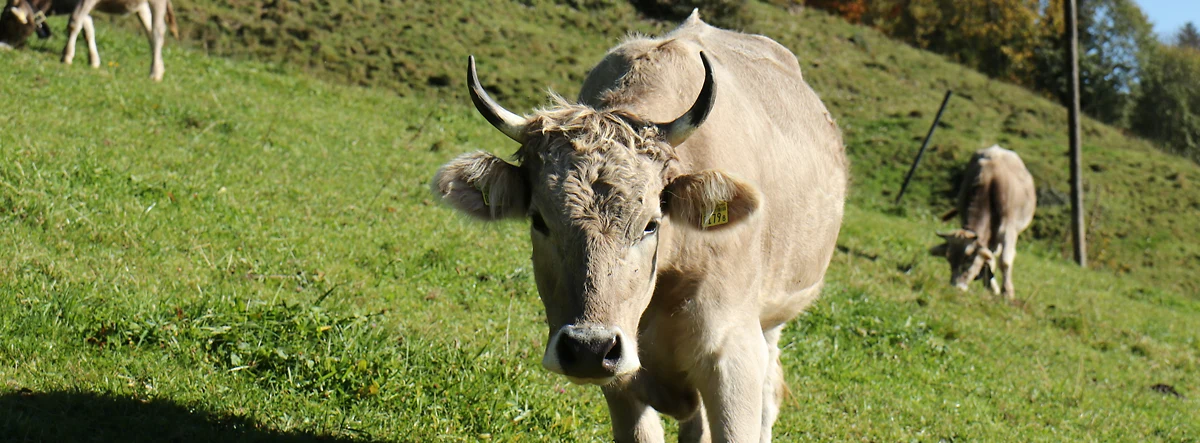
566	352
613	356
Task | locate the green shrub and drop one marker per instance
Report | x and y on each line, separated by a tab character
1169	109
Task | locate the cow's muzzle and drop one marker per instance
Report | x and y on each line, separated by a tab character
591	354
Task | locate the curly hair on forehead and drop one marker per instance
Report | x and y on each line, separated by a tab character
585	130
593	159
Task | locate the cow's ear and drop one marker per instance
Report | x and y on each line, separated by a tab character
939	250
710	200
482	186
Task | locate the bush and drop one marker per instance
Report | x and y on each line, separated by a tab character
1169	108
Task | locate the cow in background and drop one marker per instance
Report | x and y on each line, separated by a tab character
155	15
996	202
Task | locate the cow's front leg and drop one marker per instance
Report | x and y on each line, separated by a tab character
733	392
77	23
695	428
992	268
632	420
774	385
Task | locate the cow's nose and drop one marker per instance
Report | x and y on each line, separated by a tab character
594	353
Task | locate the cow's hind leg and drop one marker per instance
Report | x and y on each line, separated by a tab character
632	420
773	386
1007	256
77	22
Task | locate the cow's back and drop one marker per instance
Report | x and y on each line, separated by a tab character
997	177
767	127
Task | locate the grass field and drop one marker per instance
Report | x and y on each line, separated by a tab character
249	251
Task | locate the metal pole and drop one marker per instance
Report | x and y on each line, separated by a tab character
928	136
1077	226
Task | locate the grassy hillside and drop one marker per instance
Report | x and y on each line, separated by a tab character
246	253
1141	206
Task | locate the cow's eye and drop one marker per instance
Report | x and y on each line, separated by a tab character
651	228
539	224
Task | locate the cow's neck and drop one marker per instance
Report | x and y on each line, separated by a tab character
979	216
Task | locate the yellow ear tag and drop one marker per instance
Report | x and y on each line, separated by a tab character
483	190
719	216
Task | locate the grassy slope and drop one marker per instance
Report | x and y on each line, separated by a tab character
1140	205
172	247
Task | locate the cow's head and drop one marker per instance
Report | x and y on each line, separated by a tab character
18	19
967	256
603	193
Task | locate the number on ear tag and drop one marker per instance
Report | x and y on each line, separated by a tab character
719	216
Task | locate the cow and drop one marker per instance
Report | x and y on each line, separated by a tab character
21	18
712	144
996	202
155	15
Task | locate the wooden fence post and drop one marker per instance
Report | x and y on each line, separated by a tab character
921	152
1077	226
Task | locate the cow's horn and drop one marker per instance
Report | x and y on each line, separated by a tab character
510	124
677	131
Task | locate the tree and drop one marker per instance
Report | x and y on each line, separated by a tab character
996	37
1188	37
1113	35
1169	109
851	10
1021	41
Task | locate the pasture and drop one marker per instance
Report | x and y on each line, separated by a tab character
249	251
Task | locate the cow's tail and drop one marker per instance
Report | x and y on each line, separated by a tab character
171	20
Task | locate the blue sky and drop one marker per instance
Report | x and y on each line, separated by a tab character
1169	15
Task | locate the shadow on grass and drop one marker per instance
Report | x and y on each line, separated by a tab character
27	416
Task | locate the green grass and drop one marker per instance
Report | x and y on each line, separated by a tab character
1140	205
246	252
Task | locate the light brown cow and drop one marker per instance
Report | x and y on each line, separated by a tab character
669	267
155	15
995	203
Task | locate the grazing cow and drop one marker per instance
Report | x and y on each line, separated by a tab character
155	16
995	203
19	19
713	145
